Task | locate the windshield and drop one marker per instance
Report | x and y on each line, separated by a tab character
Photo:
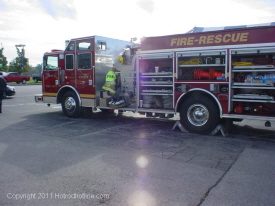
4	73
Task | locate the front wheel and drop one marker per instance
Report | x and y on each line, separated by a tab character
71	105
199	114
24	81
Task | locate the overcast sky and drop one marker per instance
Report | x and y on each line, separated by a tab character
43	25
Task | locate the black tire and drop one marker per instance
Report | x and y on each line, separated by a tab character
199	114
17	82
24	81
70	105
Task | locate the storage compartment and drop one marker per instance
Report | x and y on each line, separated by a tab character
207	65
253	78
253	108
156	81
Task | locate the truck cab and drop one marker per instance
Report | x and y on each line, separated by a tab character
74	77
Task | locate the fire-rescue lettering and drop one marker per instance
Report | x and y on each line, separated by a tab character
210	39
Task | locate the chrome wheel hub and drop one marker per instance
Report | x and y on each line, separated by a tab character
198	114
70	104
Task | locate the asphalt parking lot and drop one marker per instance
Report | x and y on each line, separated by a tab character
126	159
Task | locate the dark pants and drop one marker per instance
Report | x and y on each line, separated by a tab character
116	96
1	97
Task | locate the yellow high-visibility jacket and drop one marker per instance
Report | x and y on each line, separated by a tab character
110	82
110	76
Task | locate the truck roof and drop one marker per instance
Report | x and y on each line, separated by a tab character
97	37
205	29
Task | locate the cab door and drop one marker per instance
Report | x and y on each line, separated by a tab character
50	78
12	77
85	66
70	65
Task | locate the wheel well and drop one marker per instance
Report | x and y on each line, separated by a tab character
196	93
64	90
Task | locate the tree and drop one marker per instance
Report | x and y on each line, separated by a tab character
20	63
32	70
35	70
3	60
39	68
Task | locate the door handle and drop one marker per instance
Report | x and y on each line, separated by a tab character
93	81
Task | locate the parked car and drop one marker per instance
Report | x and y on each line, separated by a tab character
16	77
36	78
10	91
2	73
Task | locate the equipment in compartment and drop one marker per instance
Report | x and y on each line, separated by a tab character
253	83
206	65
238	108
212	74
154	101
251	108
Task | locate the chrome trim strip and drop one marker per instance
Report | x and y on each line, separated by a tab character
238	116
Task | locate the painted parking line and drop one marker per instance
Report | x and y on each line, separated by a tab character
31	104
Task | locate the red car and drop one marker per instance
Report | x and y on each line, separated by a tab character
15	77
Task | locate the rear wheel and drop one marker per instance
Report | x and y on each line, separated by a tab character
71	105
199	114
24	81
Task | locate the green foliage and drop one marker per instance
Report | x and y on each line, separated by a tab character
39	68
35	70
3	61
20	63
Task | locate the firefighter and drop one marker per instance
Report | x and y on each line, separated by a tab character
113	86
110	82
3	85
118	87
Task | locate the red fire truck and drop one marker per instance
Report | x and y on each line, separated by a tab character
208	77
